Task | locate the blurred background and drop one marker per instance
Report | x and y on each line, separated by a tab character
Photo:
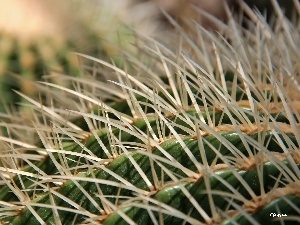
38	37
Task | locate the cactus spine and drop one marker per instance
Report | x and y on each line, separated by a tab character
179	142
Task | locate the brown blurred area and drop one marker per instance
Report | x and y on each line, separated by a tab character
32	18
36	19
182	10
185	9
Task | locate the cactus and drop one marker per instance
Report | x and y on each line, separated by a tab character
32	51
205	134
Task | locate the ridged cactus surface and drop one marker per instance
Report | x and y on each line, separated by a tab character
205	134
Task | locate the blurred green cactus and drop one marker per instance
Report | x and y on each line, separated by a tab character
30	51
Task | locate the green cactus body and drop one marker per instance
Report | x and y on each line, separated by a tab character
184	143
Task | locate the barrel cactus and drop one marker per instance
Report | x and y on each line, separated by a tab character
44	44
205	133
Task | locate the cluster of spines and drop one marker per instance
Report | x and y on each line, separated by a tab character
195	147
117	157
